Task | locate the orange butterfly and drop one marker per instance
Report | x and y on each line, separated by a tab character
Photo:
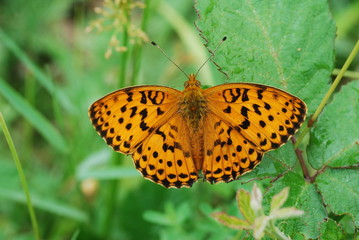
222	131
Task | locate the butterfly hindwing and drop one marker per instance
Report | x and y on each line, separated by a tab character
227	154
165	157
125	118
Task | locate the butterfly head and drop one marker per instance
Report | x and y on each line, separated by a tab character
192	82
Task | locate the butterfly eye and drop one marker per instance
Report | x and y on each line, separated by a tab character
198	83
186	84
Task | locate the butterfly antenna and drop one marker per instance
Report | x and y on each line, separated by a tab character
155	44
212	55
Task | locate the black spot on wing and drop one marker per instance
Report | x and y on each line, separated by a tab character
267	106
256	109
156	97
227	110
259	94
143	126
159	111
174	128
264	142
231	95
129	96
133	111
162	134
109	140
245	124
262	123
143	114
245	95
244	111
143	97
126	144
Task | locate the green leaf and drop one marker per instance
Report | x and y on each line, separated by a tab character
109	173
279	199
157	218
243	201
331	230
286	213
172	216
274	163
303	196
256	200
38	121
231	221
41	202
259	226
96	166
280	234
283	43
340	192
337	131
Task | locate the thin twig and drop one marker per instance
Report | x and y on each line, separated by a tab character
300	157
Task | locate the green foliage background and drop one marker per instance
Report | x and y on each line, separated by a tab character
51	70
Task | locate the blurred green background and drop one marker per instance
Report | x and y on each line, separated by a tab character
53	68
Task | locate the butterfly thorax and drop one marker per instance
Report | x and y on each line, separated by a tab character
193	106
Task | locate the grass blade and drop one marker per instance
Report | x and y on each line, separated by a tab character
37	120
44	80
22	177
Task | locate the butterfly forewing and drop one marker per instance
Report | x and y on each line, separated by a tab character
125	118
264	116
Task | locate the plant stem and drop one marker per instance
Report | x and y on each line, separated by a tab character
110	199
124	55
112	185
312	120
22	177
347	74
137	50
